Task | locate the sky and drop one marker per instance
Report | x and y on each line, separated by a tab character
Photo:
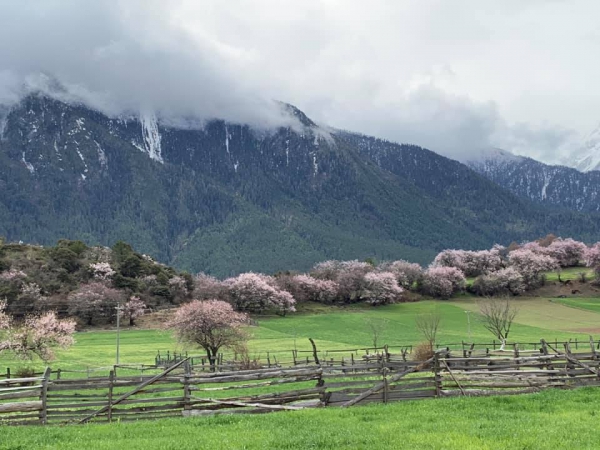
456	77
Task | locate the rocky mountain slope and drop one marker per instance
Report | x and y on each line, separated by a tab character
227	198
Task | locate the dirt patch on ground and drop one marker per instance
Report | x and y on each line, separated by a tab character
154	320
573	289
592	331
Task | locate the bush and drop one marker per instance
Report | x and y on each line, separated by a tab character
423	351
25	372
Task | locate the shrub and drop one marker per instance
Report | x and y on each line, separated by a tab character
423	351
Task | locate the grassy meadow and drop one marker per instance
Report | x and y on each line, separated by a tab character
547	420
344	328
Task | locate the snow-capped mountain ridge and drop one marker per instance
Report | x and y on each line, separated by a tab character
590	159
558	186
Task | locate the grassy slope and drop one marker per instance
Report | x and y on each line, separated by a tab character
549	420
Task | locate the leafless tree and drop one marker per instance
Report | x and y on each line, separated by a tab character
377	327
428	325
497	316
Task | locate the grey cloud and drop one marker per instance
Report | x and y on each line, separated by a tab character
456	78
123	57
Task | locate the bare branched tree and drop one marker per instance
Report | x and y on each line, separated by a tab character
497	317
428	325
377	327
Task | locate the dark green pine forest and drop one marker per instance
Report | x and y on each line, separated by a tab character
227	198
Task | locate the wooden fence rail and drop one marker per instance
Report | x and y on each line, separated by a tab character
179	390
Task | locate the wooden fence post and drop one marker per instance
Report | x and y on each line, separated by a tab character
437	376
314	347
7	373
385	385
44	397
187	392
111	381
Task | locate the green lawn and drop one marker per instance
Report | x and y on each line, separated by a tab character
347	328
552	419
571	273
590	304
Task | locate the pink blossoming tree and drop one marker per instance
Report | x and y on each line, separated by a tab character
531	265
406	273
36	336
211	324
442	282
381	288
94	302
306	288
257	293
133	309
503	282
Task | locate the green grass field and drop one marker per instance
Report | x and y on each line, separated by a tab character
548	420
345	328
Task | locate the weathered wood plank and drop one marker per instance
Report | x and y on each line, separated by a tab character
21	407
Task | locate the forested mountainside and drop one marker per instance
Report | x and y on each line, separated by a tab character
553	186
227	198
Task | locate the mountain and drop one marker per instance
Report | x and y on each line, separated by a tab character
227	198
553	186
590	154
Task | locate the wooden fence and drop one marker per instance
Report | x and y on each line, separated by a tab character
179	390
347	356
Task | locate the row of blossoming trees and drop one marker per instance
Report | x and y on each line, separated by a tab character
498	271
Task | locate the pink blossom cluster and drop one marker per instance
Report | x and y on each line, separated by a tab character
531	264
37	335
93	301
45	332
32	291
212	324
178	287
566	252
471	263
406	273
12	275
592	256
503	282
206	286
306	288
4	317
381	288
101	271
349	275
134	308
258	293
442	281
